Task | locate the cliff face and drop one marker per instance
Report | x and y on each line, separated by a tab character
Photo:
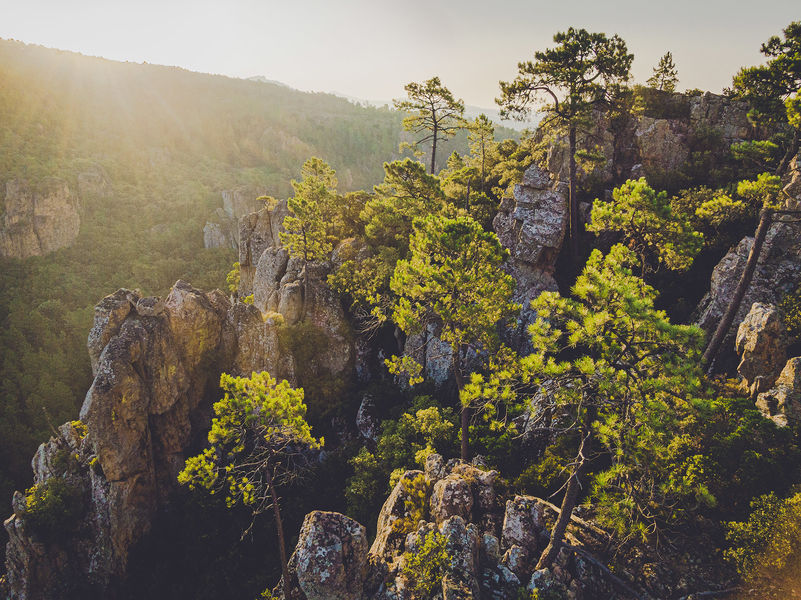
777	273
156	365
655	142
37	220
222	230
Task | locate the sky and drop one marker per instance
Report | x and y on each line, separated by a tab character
370	48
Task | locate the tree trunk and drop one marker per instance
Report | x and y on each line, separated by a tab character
434	150
791	152
742	287
566	511
465	413
279	526
573	232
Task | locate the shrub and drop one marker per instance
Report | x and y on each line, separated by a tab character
424	569
769	542
53	508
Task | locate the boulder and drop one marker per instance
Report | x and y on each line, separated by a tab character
37	220
782	404
451	497
461	575
762	345
523	522
330	559
388	539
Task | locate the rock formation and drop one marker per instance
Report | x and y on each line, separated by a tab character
37	220
762	345
782	404
156	365
222	230
492	544
657	142
532	227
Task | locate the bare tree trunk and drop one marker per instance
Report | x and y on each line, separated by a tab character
573	232
279	526
434	150
465	413
566	511
791	152
742	287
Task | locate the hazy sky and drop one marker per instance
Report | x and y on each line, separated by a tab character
371	48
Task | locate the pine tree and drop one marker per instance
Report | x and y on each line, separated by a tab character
574	77
665	75
434	110
257	437
453	279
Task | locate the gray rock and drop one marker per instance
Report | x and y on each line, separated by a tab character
523	521
782	404
762	345
777	273
330	560
450	497
366	422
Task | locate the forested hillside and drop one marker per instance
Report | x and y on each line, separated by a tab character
554	367
158	145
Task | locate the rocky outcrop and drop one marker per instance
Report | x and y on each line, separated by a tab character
532	227
782	404
257	232
37	220
283	285
762	346
222	230
777	273
330	560
463	507
157	365
654	142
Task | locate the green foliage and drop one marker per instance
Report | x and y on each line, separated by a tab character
768	544
665	75
452	278
406	193
575	75
761	193
308	225
434	110
404	444
620	373
424	569
767	87
255	423
53	508
233	278
790	306
415	493
756	154
648	224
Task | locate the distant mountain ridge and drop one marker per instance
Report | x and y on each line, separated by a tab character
470	112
